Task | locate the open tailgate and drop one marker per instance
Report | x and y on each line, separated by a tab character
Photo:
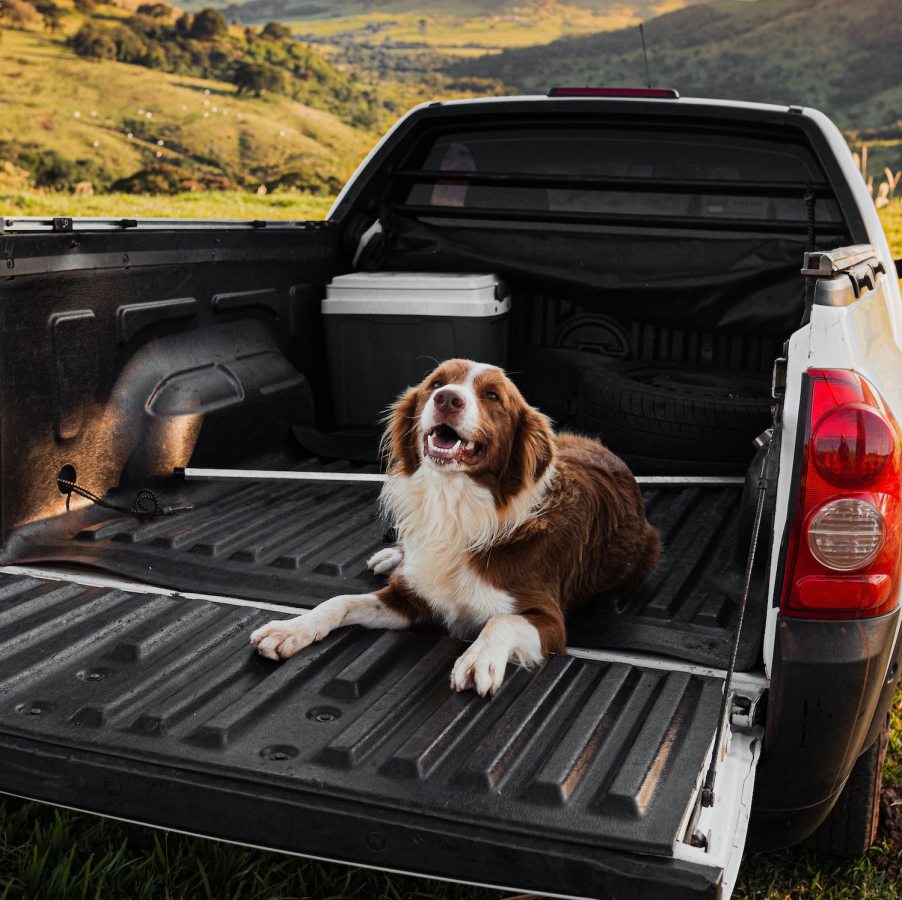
578	779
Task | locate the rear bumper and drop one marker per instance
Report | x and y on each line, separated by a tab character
349	832
831	688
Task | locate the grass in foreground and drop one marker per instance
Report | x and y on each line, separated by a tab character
189	205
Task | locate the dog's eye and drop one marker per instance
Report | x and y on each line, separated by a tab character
491	395
436	384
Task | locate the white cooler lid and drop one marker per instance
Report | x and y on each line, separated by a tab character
415	293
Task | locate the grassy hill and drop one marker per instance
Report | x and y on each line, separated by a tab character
107	120
458	28
839	56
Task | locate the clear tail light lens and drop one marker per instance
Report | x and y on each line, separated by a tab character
846	534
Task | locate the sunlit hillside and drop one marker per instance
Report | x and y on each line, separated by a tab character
461	29
114	119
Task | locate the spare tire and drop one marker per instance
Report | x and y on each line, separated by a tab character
669	413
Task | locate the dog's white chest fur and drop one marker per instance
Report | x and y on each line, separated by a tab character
439	517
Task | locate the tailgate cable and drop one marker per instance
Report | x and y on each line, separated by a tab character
708	789
146	504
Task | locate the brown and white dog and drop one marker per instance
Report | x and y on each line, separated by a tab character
502	527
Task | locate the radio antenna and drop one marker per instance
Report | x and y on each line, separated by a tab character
644	54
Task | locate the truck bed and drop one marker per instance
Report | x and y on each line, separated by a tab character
155	708
301	543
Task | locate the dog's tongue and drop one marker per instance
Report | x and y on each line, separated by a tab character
444	438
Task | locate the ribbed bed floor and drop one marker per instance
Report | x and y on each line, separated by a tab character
301	543
593	753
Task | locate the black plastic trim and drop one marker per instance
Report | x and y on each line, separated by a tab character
643	185
338	831
755	226
828	683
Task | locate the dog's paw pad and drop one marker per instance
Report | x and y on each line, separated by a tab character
385	561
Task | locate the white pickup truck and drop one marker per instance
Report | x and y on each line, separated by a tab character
685	277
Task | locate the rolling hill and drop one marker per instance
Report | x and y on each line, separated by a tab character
458	28
839	56
110	120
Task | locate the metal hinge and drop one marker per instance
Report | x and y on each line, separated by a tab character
828	263
778	378
744	710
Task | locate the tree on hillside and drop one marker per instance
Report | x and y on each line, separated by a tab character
276	31
93	43
51	14
183	23
155	10
209	24
85	7
255	78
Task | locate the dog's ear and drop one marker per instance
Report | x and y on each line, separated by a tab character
532	452
399	443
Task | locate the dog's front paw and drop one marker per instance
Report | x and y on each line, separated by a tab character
481	667
385	561
285	637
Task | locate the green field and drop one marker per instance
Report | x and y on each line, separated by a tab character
189	205
119	118
464	35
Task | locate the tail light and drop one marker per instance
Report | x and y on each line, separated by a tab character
649	93
842	557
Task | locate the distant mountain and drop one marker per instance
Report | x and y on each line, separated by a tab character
840	56
487	11
463	8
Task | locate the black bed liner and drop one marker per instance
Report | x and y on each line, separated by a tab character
301	543
157	709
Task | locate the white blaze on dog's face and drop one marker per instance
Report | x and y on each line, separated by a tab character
469	418
456	414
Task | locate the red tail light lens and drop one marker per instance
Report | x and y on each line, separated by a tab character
654	93
843	552
852	445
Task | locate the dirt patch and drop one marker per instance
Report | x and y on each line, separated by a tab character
891	829
891	815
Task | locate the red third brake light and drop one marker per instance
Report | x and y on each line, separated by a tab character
843	552
657	93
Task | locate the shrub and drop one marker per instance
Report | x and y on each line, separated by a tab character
314	181
209	24
163	178
254	78
155	10
51	170
17	13
129	47
276	31
92	43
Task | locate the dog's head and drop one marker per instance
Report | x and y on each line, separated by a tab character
468	418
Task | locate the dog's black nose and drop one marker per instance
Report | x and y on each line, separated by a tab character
449	400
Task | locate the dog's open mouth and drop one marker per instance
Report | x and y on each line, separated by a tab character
444	445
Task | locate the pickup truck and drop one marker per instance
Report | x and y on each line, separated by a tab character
704	285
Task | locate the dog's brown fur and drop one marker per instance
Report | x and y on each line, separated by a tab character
590	534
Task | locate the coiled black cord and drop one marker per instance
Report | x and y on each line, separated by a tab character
146	505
